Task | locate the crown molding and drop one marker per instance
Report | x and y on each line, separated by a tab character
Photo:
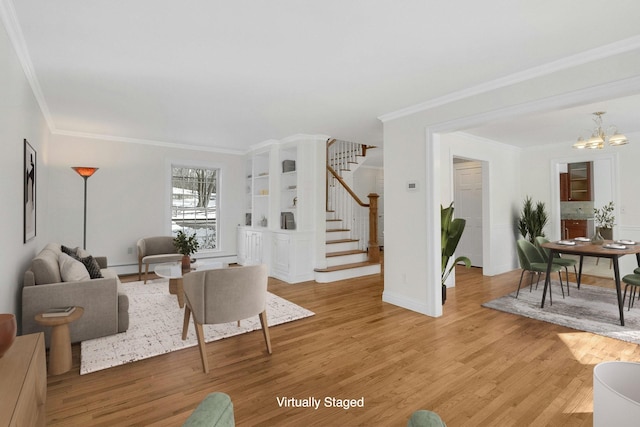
602	52
610	90
11	24
151	142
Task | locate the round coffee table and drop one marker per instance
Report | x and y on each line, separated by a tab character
60	346
173	272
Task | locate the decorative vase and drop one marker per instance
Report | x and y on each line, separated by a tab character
444	293
8	330
186	262
597	238
606	233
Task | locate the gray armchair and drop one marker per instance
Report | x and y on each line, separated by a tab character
154	250
222	296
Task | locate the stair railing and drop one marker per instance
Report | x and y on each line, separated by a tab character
362	218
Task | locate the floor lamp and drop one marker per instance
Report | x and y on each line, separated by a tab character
84	172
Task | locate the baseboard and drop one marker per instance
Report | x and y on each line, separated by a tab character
409	304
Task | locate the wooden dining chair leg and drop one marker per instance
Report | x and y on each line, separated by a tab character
265	330
146	273
201	343
185	324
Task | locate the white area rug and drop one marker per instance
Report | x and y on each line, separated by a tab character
590	308
155	327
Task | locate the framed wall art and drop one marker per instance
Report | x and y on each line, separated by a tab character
29	171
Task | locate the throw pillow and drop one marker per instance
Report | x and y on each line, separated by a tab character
72	270
82	253
69	251
92	267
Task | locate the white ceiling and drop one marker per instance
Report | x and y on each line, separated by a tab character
565	125
231	74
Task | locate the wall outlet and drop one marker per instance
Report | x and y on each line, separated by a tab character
130	250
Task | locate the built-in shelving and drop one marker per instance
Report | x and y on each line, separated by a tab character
283	190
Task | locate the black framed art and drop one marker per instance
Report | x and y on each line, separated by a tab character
29	191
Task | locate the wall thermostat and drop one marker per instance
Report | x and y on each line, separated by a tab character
412	185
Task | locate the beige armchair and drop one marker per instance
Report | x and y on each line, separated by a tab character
222	296
154	250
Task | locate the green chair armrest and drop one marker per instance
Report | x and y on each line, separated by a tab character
216	410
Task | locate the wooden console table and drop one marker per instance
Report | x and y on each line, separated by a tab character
23	384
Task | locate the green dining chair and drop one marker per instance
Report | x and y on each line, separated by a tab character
531	260
633	281
557	259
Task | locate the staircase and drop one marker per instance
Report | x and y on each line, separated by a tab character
351	247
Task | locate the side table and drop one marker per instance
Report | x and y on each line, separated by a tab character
60	346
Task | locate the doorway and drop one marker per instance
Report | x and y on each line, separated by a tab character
467	198
603	189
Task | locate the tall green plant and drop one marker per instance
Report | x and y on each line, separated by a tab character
451	232
532	220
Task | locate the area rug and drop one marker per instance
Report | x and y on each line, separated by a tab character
590	308
155	327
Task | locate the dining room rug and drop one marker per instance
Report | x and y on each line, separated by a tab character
155	327
590	308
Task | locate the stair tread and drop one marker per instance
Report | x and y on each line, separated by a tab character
341	241
334	220
345	267
341	253
334	230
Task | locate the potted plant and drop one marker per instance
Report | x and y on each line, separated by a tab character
532	220
605	220
451	231
186	245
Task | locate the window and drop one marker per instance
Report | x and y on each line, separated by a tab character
194	206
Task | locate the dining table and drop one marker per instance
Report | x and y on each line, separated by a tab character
610	249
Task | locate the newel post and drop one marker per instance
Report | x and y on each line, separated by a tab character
374	246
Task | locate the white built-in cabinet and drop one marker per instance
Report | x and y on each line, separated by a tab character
281	196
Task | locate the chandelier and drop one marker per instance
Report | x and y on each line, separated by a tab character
599	136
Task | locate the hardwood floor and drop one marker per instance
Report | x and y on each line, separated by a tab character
474	366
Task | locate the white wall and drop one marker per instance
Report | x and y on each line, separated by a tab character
20	118
128	197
